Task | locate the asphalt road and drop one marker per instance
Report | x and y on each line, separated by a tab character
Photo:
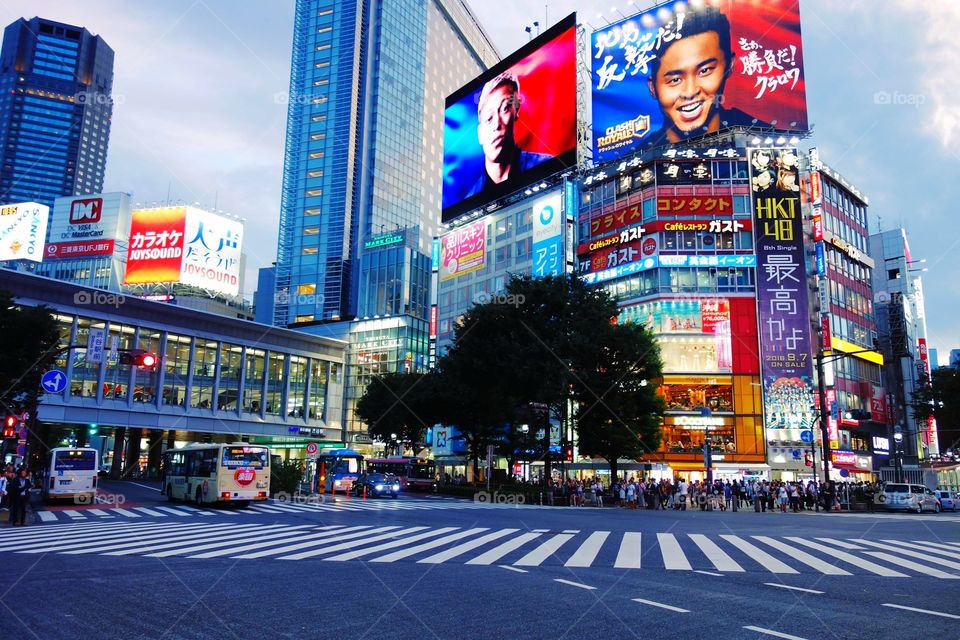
135	566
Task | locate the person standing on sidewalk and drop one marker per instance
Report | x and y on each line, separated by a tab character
19	492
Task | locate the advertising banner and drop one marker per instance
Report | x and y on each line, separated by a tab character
155	249
88	225
785	336
211	252
23	231
878	404
694	205
633	233
463	250
547	237
514	125
684	69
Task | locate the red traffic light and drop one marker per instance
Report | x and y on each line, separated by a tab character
138	358
149	360
10	426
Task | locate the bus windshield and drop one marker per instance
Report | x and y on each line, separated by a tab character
422	471
250	457
346	465
75	460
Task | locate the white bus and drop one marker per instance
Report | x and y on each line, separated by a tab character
70	472
235	473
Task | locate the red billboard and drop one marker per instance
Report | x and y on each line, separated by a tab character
58	250
155	252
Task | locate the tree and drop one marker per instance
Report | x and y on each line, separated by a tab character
398	404
554	340
619	412
940	399
29	340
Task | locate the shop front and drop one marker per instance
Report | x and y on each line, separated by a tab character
851	466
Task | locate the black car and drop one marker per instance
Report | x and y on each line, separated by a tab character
377	484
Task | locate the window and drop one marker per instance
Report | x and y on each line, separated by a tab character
311	193
253	381
318	389
145	381
275	383
306	289
298	387
311	231
204	370
230	367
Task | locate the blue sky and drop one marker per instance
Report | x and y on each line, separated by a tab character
200	108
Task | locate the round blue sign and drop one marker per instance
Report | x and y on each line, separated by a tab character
806	436
844	473
546	215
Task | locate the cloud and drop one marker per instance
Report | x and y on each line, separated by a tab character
940	57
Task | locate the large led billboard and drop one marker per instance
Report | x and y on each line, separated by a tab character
23	231
691	67
88	225
184	245
514	125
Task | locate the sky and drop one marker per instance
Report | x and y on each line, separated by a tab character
200	109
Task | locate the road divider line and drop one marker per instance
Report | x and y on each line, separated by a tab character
509	568
926	611
579	585
660	605
709	573
771	632
792	588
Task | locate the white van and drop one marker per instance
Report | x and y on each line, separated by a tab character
897	496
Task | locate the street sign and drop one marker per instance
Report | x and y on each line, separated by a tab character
95	341
114	347
312	448
806	436
21	450
53	381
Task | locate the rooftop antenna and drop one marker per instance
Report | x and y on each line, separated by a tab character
168	193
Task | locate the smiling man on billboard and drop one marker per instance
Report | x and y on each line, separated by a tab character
498	111
687	79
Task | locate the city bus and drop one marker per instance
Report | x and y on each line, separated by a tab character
336	470
413	473
70	472
236	473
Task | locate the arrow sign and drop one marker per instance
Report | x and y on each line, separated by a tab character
53	381
806	436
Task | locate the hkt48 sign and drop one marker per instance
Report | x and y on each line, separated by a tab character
185	245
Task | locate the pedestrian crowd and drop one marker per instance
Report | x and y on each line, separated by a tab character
15	489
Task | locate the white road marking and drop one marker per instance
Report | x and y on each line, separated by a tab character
124	512
628	557
575	584
721	561
673	557
498	552
46	516
927	611
443	556
916	566
841	544
587	553
274	542
913	554
804	557
149	512
792	588
668	607
433	544
771	632
311	541
391	545
509	568
758	555
709	573
872	567
350	545
544	551
98	512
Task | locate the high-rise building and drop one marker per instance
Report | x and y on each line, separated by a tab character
902	330
56	84
364	143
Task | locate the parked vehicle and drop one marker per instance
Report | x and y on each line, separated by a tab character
949	500
908	497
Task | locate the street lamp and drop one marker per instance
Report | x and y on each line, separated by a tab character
898	439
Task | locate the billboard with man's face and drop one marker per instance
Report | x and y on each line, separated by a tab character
692	67
514	125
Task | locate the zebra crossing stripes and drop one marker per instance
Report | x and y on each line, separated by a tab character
510	548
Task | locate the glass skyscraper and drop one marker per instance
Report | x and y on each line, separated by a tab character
56	82
364	149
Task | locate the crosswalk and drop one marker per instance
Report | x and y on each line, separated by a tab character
486	546
173	510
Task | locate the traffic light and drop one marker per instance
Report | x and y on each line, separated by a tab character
94	429
139	358
568	452
10	426
808	459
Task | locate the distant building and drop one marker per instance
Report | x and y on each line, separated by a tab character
264	296
56	85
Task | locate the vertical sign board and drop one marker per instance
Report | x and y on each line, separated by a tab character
548	230
96	339
785	336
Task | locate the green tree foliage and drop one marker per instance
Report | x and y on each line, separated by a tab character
399	404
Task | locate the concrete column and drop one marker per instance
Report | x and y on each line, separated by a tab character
154	452
133	450
118	436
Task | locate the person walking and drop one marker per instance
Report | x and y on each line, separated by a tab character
19	492
682	490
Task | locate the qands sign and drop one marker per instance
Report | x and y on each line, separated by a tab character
23	231
184	245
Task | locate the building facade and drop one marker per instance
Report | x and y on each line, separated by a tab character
56	85
218	379
902	330
364	140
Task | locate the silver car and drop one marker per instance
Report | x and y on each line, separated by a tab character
908	497
948	499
